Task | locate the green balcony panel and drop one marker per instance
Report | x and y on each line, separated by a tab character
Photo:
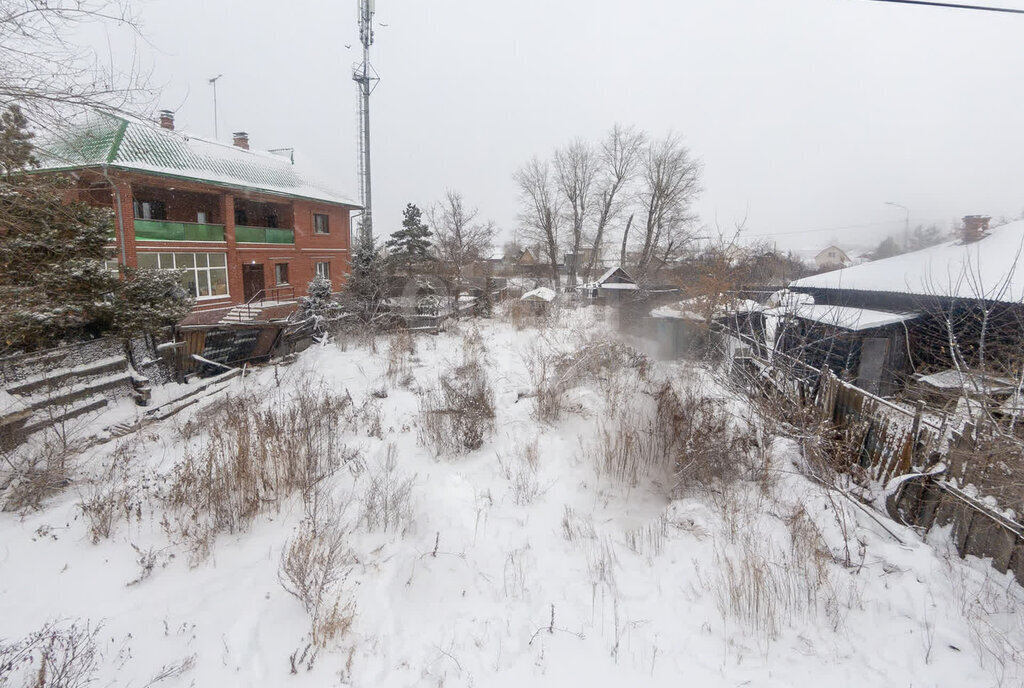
160	230
263	235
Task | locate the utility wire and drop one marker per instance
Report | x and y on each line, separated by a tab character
955	6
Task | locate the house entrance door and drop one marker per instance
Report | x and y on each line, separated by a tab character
252	280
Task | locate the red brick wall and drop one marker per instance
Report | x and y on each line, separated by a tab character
188	197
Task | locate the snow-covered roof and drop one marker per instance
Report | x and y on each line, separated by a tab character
129	144
854	319
539	294
610	271
981	269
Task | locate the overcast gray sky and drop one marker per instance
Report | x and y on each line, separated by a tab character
808	114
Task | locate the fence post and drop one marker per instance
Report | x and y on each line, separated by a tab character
915	431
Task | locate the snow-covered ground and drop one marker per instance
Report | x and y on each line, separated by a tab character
523	562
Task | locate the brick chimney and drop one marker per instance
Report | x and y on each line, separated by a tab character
241	139
167	119
975	227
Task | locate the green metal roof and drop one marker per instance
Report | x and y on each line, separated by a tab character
140	146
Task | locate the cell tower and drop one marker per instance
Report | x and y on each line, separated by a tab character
366	77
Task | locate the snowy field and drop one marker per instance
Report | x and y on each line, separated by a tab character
391	533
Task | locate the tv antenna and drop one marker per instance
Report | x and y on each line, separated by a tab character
213	82
366	78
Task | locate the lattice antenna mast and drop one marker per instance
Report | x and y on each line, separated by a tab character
366	77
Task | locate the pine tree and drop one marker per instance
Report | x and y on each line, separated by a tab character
15	142
55	280
318	303
366	288
411	244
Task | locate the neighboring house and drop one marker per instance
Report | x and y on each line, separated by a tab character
525	257
899	314
615	282
831	258
242	225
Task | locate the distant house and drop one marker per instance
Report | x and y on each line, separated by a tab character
525	257
832	258
614	283
237	224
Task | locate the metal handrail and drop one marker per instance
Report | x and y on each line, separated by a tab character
261	297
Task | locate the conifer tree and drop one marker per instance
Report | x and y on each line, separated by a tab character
57	282
15	142
366	288
411	244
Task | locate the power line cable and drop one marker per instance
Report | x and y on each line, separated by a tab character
955	6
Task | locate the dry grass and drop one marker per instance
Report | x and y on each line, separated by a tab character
387	501
32	472
55	656
314	566
767	587
112	494
458	414
521	473
253	459
401	349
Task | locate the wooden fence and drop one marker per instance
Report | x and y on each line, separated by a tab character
891	442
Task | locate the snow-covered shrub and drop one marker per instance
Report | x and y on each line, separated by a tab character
706	445
56	656
318	303
458	414
387	502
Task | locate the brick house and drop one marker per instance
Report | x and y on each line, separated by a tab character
243	225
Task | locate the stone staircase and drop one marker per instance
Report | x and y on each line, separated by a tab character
59	395
248	313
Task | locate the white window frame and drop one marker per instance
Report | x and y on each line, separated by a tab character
200	274
277	276
322	269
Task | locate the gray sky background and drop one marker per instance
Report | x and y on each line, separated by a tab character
808	114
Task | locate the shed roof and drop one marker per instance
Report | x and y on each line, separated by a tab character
854	319
100	139
985	269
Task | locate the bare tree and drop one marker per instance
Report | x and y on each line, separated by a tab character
459	237
670	183
541	211
576	168
45	70
619	160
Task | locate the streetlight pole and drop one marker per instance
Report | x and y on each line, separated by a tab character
213	82
906	223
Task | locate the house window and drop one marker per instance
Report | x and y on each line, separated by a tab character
201	217
321	224
150	210
204	275
281	273
323	270
241	217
